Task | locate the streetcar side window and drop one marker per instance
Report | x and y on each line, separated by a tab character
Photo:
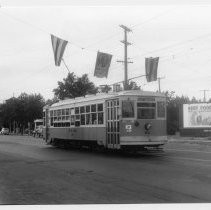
77	120
77	123
128	109
72	111
94	118
146	110
82	119
82	116
88	115
72	120
93	108
100	114
100	118
82	109
87	109
92	114
100	107
161	110
88	119
76	110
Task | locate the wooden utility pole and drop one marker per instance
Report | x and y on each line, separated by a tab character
159	78
126	43
205	94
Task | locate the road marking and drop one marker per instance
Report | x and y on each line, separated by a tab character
186	150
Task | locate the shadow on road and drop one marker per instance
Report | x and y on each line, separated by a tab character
147	154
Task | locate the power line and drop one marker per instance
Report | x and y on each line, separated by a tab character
153	18
85	48
177	44
136	25
40	29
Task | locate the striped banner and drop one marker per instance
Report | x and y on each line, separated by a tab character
151	66
58	48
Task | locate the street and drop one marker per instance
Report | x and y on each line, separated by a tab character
32	172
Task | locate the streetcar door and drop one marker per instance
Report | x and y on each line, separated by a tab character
112	124
46	124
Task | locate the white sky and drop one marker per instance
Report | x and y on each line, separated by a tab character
180	34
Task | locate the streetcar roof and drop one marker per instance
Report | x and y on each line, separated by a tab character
104	96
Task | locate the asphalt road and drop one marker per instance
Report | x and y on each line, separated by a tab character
34	173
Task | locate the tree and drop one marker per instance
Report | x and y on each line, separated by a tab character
105	88
194	100
73	86
18	112
52	101
133	86
174	104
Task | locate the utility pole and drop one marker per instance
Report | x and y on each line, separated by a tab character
126	43
205	94
159	78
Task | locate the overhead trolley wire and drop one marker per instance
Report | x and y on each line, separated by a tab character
39	28
153	18
77	45
176	44
134	26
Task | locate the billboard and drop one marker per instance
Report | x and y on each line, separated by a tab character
197	115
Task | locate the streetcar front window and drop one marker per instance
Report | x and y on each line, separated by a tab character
146	110
128	109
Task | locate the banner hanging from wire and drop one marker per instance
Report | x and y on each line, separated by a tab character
102	65
59	46
151	66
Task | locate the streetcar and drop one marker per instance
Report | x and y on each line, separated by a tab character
127	120
38	128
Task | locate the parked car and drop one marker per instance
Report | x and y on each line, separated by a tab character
5	131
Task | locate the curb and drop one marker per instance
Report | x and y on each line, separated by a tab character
191	140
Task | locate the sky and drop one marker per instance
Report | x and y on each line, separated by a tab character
178	33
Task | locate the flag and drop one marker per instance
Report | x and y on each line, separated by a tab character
102	64
151	66
58	48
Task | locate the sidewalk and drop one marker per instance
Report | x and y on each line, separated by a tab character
191	140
